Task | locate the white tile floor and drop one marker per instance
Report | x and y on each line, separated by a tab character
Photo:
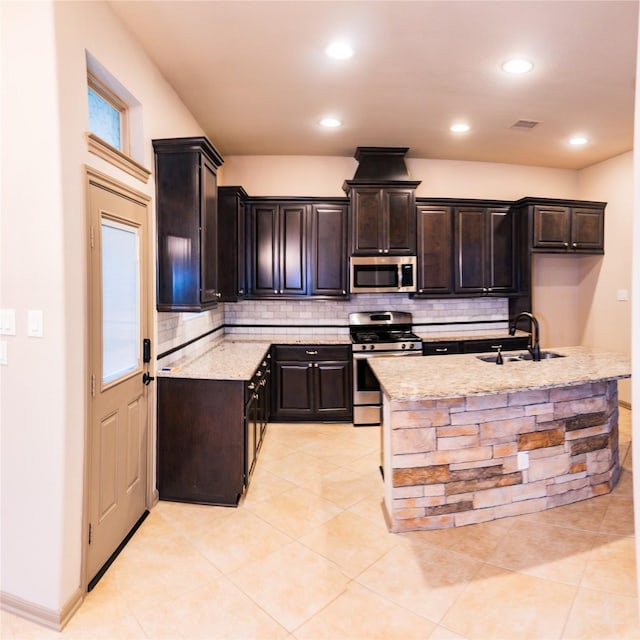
307	555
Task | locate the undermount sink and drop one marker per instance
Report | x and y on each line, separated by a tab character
544	355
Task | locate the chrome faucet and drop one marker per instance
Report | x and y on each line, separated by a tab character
534	335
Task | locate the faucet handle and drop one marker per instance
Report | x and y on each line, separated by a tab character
499	359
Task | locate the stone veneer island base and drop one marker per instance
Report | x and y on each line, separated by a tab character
465	441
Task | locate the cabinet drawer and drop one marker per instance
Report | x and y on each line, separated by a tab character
312	353
505	344
440	348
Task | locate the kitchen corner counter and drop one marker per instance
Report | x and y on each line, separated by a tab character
467	375
238	355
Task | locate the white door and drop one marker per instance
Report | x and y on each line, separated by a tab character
117	443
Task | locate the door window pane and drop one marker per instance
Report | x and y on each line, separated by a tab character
121	336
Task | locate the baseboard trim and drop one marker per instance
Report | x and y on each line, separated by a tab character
43	616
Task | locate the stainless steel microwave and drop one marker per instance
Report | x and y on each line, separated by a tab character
383	274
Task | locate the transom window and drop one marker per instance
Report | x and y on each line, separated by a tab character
107	115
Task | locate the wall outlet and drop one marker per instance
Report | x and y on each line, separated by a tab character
523	460
35	323
623	295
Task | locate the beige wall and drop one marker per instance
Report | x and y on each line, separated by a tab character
43	266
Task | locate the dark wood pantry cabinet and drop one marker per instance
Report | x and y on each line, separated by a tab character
187	225
312	383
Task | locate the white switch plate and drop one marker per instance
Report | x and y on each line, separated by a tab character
3	352
523	460
623	295
8	322
35	323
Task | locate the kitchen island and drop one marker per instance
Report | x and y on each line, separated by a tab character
465	440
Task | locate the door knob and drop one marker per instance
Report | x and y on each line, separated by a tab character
146	379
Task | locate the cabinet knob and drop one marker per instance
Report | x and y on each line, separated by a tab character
386	251
566	244
218	295
379	250
575	245
252	386
344	293
309	365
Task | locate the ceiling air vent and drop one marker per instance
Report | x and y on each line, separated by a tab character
524	124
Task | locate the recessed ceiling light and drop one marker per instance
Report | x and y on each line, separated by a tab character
339	50
459	127
578	141
517	65
330	123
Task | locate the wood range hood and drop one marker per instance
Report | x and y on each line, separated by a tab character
380	166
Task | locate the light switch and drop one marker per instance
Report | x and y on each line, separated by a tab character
3	352
8	322
35	323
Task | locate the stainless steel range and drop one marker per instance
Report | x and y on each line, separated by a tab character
377	334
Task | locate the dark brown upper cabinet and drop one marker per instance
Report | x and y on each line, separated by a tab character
383	214
567	227
435	250
485	250
231	243
383	220
187	228
328	250
277	249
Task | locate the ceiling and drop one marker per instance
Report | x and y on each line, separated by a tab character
255	76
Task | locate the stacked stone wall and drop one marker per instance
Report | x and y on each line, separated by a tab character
456	461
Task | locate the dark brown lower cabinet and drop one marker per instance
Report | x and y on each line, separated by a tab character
209	434
312	383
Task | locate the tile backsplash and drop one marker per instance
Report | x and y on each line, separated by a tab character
190	334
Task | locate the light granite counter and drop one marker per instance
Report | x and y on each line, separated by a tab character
466	374
237	356
466	441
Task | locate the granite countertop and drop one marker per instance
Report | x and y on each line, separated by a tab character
227	360
237	356
464	375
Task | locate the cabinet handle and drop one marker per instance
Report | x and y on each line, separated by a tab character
496	346
441	349
312	353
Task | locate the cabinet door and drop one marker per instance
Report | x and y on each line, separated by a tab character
399	221
292	258
367	220
264	250
328	250
587	230
435	250
208	232
178	213
470	250
501	276
333	390
231	243
293	390
551	227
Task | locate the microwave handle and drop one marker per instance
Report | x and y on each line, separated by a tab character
400	275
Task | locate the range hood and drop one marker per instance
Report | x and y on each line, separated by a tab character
381	166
